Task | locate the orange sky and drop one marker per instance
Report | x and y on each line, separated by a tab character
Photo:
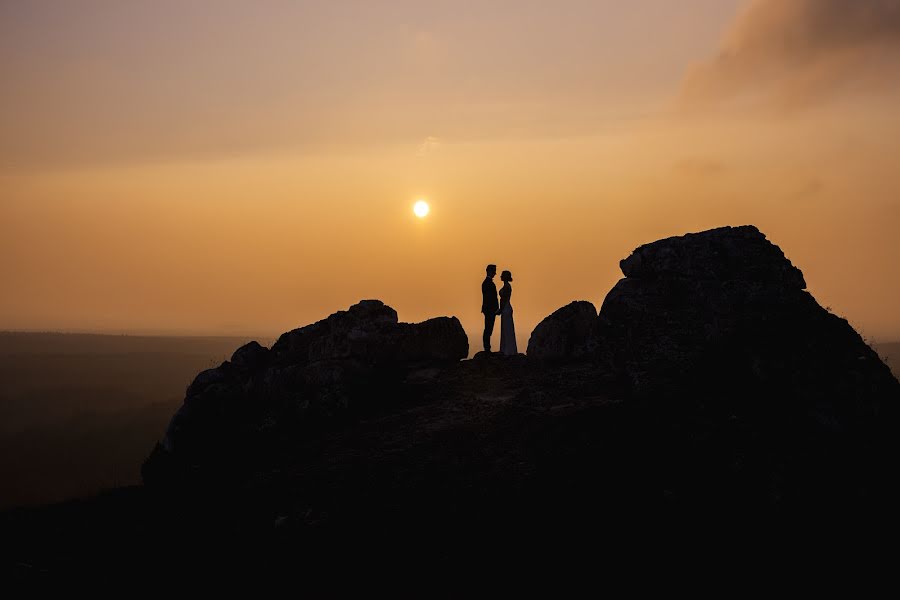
225	167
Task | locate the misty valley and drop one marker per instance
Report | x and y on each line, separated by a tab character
79	413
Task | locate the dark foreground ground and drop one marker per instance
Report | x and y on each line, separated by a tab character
484	462
79	413
403	470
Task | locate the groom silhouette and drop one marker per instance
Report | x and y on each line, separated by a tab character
489	305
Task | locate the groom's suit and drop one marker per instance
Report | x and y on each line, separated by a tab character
489	306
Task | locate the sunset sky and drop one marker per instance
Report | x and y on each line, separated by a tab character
221	167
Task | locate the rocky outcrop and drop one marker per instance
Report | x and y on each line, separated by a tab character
716	390
567	334
345	362
725	312
714	329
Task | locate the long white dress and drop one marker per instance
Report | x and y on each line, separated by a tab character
507	327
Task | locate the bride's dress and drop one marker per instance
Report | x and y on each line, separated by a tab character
507	327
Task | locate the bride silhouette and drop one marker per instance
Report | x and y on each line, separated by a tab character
507	327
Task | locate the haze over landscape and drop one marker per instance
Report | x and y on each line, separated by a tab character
237	168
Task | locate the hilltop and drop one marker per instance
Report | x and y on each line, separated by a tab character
709	388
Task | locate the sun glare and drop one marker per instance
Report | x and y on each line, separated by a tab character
421	209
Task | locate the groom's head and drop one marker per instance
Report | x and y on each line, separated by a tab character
491	270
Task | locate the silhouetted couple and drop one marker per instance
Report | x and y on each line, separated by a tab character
491	308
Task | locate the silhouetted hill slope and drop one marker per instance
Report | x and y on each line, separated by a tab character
710	390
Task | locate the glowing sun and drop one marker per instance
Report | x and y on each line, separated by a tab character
421	209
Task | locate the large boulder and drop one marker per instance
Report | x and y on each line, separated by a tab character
753	392
725	312
567	334
441	339
250	356
723	254
353	359
356	332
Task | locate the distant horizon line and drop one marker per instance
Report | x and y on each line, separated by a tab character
273	337
137	333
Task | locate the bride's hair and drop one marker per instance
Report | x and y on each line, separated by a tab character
506	276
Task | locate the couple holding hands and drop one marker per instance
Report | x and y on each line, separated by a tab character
491	308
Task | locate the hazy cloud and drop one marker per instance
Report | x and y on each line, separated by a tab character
799	51
428	145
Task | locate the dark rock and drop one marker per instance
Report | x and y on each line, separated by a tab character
369	332
725	310
343	334
351	360
567	334
436	340
752	394
207	378
250	356
729	253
